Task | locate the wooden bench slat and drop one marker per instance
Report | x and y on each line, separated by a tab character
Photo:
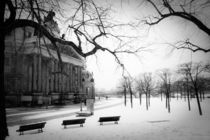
108	119
74	121
34	126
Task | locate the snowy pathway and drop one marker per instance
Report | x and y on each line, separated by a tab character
135	124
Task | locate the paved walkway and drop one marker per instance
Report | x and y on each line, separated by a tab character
22	115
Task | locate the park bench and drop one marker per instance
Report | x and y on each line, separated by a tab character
109	119
33	126
73	122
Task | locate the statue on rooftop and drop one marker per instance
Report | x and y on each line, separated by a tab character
50	16
51	24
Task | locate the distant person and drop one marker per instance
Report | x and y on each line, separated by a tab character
106	97
85	102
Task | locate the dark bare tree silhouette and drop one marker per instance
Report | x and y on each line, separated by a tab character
145	86
126	87
193	71
190	10
122	88
165	77
129	85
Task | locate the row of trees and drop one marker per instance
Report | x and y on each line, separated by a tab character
190	80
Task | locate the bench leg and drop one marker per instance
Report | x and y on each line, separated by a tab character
64	126
81	125
101	123
116	122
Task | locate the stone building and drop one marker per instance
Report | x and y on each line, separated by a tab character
32	70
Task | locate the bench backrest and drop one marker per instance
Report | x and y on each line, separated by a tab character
75	121
112	118
32	126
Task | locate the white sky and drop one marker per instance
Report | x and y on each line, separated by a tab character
104	67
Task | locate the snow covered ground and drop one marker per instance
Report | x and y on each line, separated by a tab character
135	123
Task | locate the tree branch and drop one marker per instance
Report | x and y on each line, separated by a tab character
181	13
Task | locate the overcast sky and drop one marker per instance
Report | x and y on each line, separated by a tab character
104	67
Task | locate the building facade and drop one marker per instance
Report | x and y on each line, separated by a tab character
33	73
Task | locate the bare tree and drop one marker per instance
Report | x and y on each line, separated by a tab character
160	89
145	86
186	86
139	90
3	23
178	87
129	82
192	71
201	88
126	87
189	10
123	89
165	77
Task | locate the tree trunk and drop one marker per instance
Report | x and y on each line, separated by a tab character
4	129
181	92
198	101
149	99
131	96
125	96
188	98
177	96
169	106
146	101
166	101
140	97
